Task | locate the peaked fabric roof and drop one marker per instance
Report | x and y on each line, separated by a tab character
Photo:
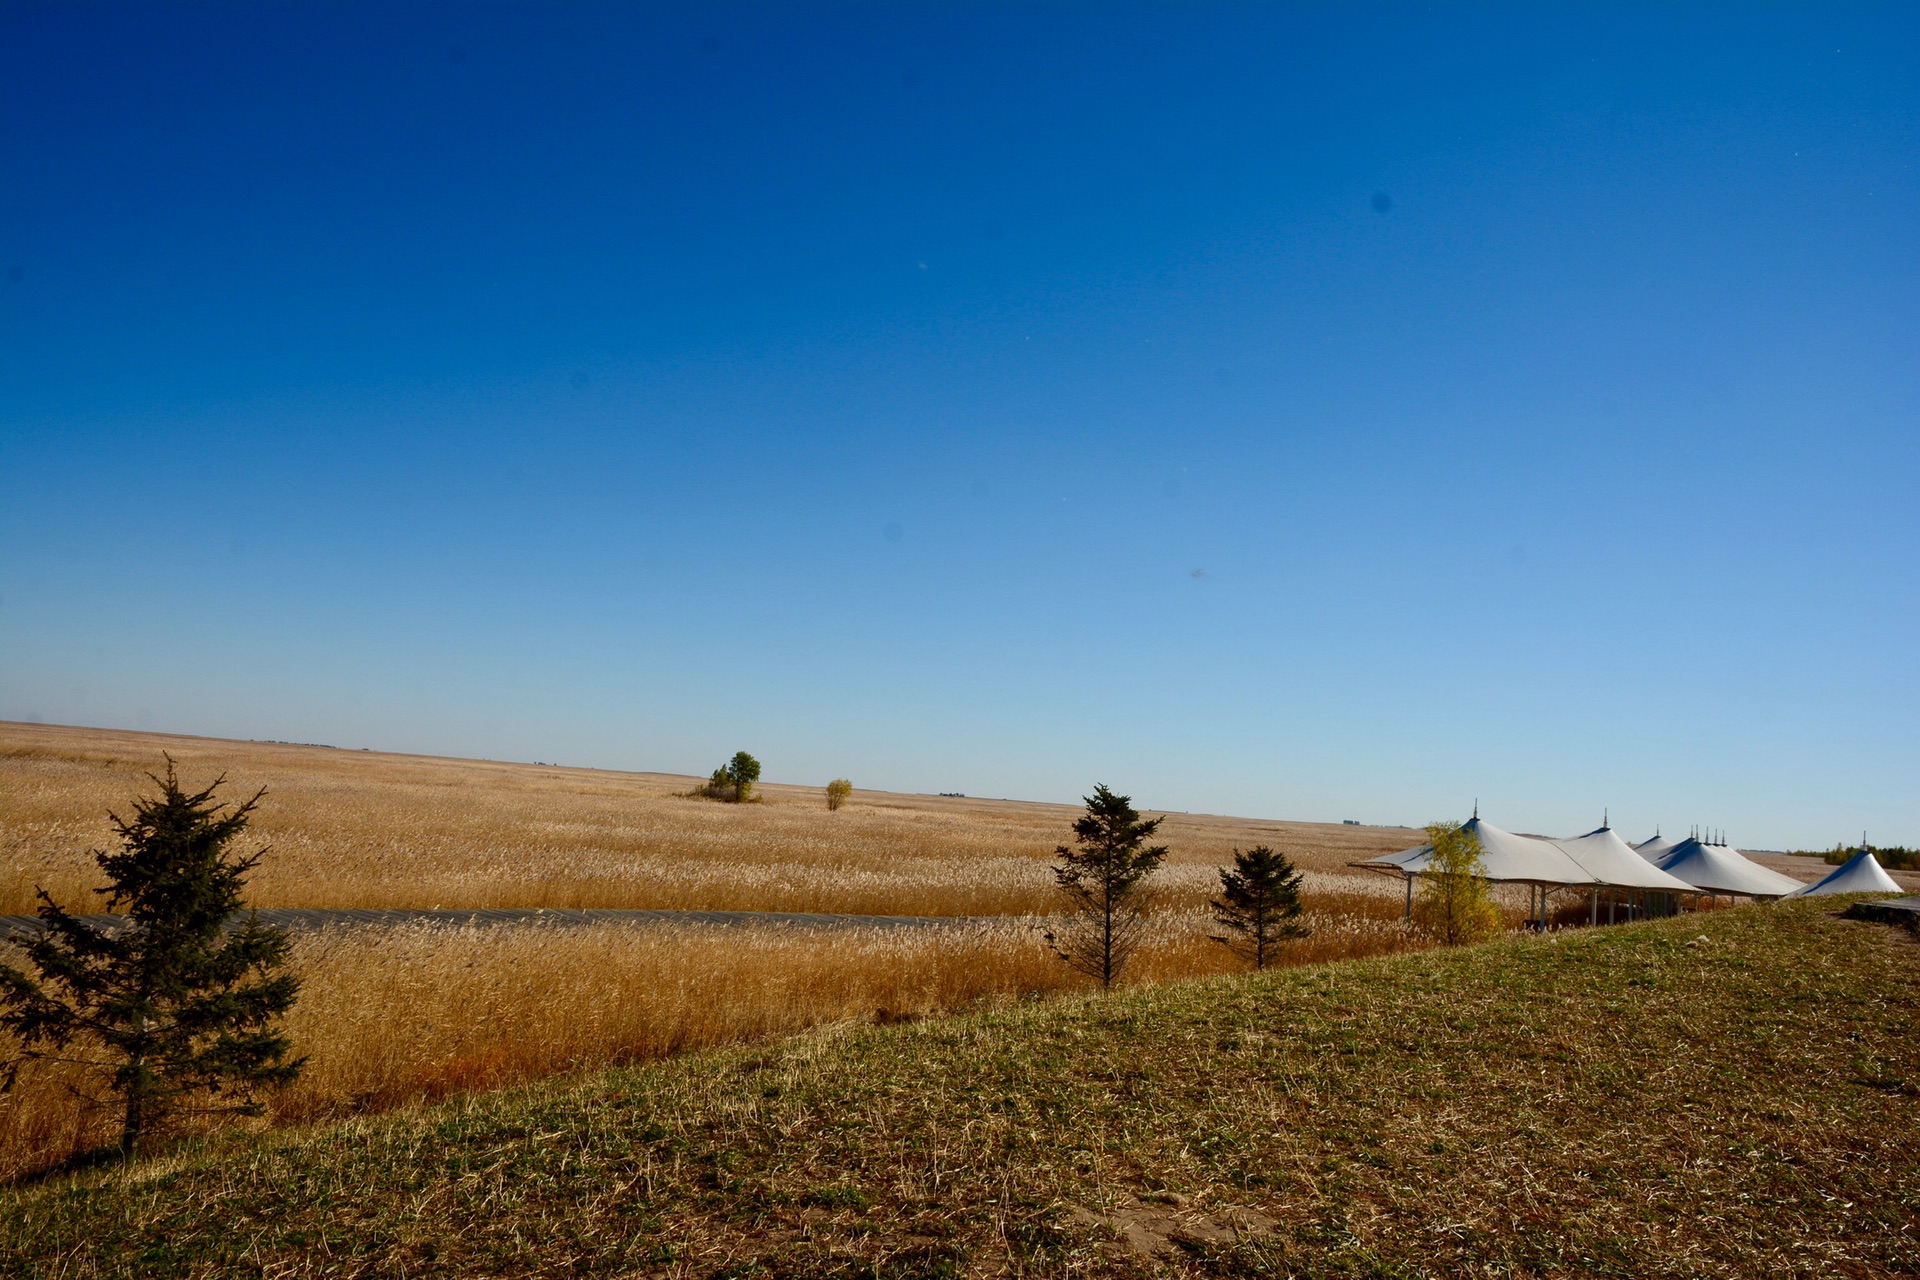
1655	849
1862	873
1715	868
1612	863
1597	859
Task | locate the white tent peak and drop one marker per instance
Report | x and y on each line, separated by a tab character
1862	873
1656	849
1715	868
1612	863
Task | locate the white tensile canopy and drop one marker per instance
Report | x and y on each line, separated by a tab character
1598	860
1616	866
1862	873
1504	856
1655	849
1716	868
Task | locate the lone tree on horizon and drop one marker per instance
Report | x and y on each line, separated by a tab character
733	780
1259	904
167	1007
1103	879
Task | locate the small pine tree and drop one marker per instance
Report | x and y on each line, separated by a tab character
837	792
1259	904
1103	881
167	1006
1456	905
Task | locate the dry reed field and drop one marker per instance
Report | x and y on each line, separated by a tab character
365	829
395	1017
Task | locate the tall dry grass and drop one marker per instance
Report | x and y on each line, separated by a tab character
391	1018
394	1017
363	829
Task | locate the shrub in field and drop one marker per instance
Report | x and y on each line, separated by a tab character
837	792
1455	904
733	781
1259	904
1103	878
166	1010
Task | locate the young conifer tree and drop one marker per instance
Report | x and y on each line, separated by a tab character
172	1008
1456	904
1259	904
1103	879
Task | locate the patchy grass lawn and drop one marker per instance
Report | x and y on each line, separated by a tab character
1729	1094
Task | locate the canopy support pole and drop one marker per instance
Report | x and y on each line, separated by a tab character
1593	907
1409	897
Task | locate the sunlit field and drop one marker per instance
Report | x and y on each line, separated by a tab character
363	829
394	1017
1726	1096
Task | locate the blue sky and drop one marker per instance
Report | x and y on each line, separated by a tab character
1318	411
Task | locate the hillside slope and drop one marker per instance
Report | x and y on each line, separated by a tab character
1730	1094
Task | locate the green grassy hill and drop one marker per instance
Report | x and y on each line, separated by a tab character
1735	1094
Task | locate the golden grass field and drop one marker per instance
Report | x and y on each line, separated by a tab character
365	829
397	1017
391	1017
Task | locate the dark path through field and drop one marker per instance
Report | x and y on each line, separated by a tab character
319	918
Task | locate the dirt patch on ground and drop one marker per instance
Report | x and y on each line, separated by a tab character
1160	1224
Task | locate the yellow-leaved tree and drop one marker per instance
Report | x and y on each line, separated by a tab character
1456	903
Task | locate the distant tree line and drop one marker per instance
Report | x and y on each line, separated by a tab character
1892	857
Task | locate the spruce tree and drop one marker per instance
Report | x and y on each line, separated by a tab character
173	1007
1102	878
1259	904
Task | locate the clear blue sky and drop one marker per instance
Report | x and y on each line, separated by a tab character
1317	412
